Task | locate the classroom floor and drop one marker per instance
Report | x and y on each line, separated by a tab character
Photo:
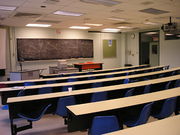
48	125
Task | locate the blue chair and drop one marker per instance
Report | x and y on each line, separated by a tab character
104	124
29	83
126	81
95	85
109	76
5	107
147	88
129	93
142	118
30	117
51	82
61	109
166	110
45	90
65	88
177	83
99	96
21	93
161	75
91	78
167	85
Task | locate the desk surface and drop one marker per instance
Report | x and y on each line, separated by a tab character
87	81
91	90
94	107
81	76
100	70
168	126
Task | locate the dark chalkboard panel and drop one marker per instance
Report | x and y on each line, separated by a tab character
48	49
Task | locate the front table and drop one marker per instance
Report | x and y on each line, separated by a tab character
88	65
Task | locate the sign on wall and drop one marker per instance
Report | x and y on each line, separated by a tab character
109	48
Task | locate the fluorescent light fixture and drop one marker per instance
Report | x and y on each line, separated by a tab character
178	35
169	34
8	8
110	30
150	23
125	27
79	27
151	33
92	24
102	2
67	13
116	19
38	25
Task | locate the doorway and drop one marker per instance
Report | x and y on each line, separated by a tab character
149	48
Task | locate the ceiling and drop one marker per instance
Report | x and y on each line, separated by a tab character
129	10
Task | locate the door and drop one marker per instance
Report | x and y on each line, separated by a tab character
154	53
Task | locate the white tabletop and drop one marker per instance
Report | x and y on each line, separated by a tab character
106	105
88	81
91	90
167	126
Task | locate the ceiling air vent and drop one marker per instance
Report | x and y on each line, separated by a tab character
147	3
102	2
48	21
31	15
153	11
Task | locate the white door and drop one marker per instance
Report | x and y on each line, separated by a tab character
154	53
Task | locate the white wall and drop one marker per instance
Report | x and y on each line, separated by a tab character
169	51
20	32
2	48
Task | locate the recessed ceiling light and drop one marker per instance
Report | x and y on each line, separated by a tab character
8	8
125	27
38	25
92	24
110	30
151	33
79	27
102	2
150	23
67	13
169	34
116	19
178	35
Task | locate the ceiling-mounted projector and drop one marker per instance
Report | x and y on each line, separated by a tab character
169	27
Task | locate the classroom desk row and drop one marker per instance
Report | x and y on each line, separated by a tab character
82	77
80	116
10	92
96	71
167	126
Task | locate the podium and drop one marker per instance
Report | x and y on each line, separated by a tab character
25	75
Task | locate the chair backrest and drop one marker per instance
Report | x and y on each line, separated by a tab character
104	124
129	93
147	89
95	85
62	103
126	81
144	115
99	96
167	85
21	93
71	80
29	83
168	108
161	75
177	83
109	76
91	78
45	90
35	116
51	82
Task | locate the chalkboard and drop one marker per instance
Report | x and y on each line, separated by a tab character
49	49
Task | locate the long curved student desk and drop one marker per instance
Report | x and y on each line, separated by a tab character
10	92
92	90
167	126
123	73
80	116
97	71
